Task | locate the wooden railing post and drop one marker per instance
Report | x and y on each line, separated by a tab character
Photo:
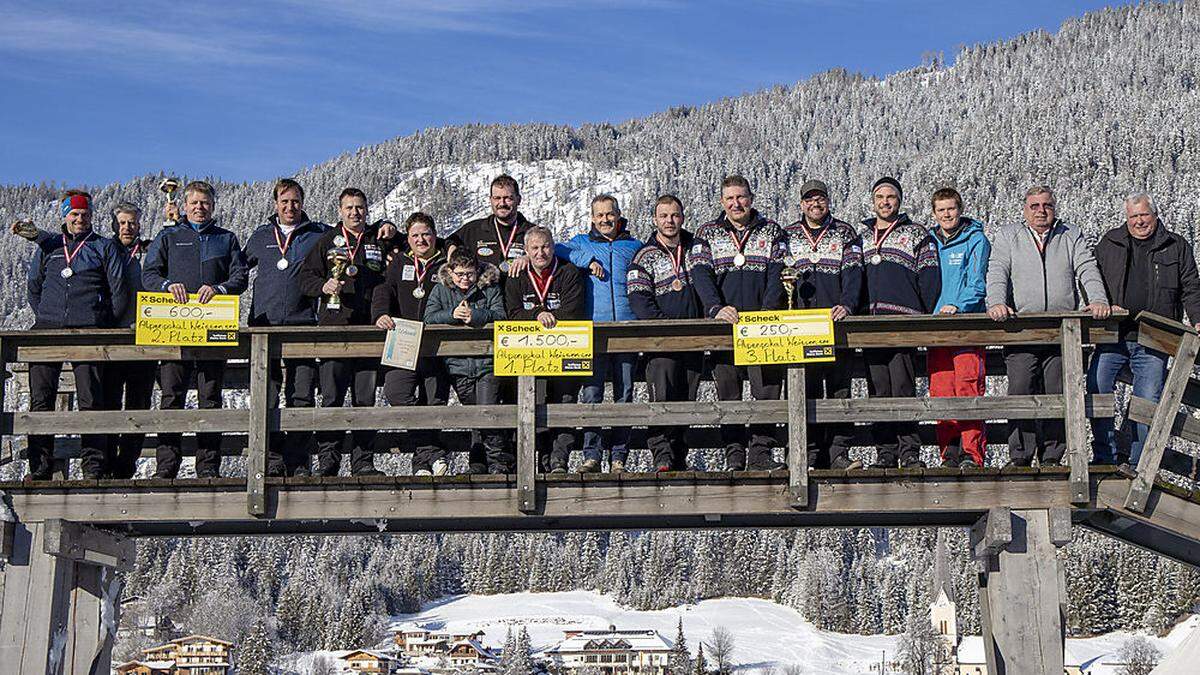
1164	417
1074	415
259	430
526	443
797	458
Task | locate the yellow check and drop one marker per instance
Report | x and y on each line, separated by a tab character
163	321
529	348
784	336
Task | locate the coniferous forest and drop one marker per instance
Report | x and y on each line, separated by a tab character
1107	106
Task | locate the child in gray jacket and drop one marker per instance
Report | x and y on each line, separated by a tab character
469	293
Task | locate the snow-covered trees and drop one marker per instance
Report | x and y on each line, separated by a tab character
680	660
254	652
720	649
1139	656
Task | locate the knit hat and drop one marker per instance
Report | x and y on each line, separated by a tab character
888	180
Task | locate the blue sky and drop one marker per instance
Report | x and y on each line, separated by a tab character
94	92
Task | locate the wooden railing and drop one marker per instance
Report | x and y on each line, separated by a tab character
1072	332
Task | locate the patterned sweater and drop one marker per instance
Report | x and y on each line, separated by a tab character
902	268
829	273
755	284
653	293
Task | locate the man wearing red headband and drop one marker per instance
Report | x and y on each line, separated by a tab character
67	275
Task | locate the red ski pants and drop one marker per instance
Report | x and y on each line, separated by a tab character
958	371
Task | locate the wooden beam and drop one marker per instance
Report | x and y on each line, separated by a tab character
1021	599
1177	518
566	502
526	423
83	543
260	424
991	533
1074	415
797	446
1164	418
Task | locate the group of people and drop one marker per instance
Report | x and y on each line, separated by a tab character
505	267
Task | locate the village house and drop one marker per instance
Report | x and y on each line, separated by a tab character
191	655
469	653
369	662
417	641
612	651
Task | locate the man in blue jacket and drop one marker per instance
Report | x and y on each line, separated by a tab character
196	256
76	280
605	253
275	249
963	252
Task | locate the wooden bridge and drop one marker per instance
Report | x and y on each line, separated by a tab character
63	539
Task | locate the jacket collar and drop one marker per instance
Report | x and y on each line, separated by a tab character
966	228
900	220
304	222
685	240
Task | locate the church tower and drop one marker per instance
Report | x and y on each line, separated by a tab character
942	611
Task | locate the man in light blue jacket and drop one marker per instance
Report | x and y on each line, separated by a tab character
605	252
963	252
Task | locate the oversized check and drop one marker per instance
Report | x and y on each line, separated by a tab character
163	321
784	336
529	348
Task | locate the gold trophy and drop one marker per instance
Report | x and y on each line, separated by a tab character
338	260
169	186
788	276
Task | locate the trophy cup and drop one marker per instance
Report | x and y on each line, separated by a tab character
338	259
25	228
169	186
788	276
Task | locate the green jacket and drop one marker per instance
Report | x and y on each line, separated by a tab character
486	301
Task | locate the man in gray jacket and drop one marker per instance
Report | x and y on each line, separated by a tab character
1042	265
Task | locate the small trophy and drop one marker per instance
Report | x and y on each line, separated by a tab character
25	228
169	186
788	276
337	259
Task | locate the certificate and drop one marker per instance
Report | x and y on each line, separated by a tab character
402	346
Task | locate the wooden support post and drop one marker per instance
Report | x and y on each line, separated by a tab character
1021	592
60	611
1074	414
259	431
797	458
1164	418
526	443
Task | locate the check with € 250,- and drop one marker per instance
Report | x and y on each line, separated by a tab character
784	336
529	348
163	321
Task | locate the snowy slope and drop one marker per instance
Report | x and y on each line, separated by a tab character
555	193
766	634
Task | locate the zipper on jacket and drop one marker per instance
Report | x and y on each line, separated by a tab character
612	290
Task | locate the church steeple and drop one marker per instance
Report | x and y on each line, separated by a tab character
942	611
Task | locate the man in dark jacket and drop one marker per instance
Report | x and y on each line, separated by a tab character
130	383
342	270
196	256
748	250
670	277
825	256
498	239
1145	267
404	294
549	291
76	280
275	251
902	277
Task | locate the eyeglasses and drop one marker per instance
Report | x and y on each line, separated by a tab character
819	199
463	275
